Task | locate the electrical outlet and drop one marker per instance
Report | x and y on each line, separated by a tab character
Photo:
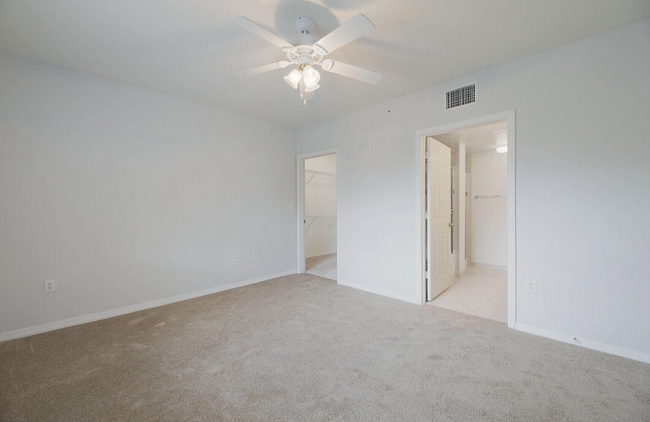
363	258
234	258
50	286
531	286
254	253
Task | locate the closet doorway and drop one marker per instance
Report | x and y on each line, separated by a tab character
318	215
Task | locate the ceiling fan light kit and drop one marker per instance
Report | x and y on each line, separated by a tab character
310	53
293	78
310	75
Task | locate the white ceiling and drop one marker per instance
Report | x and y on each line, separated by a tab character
478	138
187	48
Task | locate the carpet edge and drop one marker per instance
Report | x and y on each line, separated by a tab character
83	319
586	343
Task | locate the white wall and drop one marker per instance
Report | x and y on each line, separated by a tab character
582	179
125	196
490	215
320	206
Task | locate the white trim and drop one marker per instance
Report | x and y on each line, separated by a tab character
512	219
378	291
420	215
586	343
300	203
69	322
420	138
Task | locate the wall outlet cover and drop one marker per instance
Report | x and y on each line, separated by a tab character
531	286
50	286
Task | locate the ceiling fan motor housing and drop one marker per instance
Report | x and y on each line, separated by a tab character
305	25
303	55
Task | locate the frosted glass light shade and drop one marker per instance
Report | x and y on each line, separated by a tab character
311	76
502	150
293	78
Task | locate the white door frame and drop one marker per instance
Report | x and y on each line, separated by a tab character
300	202
420	139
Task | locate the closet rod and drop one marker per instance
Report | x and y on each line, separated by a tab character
312	222
488	196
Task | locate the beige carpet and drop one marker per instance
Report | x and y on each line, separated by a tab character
302	348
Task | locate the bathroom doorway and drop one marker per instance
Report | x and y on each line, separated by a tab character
480	218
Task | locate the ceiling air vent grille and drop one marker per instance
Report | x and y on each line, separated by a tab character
461	96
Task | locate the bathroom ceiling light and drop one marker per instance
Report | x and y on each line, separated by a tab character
502	150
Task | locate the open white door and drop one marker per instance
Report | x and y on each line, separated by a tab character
439	274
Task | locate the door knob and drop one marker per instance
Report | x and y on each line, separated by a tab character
451	224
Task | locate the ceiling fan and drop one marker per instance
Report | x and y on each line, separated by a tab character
310	52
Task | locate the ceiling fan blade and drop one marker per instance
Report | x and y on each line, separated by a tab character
354	72
261	69
251	26
356	27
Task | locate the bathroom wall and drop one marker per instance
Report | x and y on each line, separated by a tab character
490	215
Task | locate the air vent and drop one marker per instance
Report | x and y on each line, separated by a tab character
461	96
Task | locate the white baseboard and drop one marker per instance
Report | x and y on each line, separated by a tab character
382	292
589	344
320	254
69	322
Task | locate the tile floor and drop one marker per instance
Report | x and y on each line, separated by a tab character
479	292
323	266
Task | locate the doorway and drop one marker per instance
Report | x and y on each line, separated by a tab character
468	217
318	214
